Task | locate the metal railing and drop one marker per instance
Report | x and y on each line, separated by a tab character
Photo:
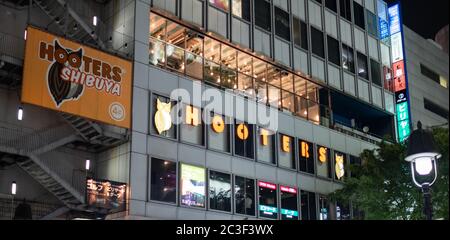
11	45
28	142
38	209
357	133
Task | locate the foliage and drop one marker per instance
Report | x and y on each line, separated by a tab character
382	185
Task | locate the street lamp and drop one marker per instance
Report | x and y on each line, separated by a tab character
423	155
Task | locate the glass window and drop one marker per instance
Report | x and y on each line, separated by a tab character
427	72
435	108
219	191
286	152
342	211
282	25
212	73
372	23
331	4
324	208
266	146
163	181
268	206
345	8
161	117
244	195
300	33
194	54
334	52
219	133
228	57
262	93
241	8
287	81
289	206
244	140
157	27
308	205
359	15
317	42
323	165
245	85
362	66
375	71
288	101
191	128
193	186
262	14
222	4
388	82
306	156
212	50
340	163
274	96
300	86
302	107
354	161
259	70
157	53
348	62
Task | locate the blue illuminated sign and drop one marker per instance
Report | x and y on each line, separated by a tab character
384	29
399	67
394	19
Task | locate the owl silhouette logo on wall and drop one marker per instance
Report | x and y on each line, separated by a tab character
163	120
339	167
62	90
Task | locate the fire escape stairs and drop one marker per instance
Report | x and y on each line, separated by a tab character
69	21
25	150
93	133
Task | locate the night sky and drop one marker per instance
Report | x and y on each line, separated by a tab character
425	17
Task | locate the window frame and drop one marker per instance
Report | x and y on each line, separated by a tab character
176	203
208	190
255	195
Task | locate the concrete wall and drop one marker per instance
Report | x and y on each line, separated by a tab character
420	50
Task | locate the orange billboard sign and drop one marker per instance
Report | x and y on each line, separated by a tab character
66	76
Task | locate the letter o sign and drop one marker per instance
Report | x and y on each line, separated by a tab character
218	125
242	131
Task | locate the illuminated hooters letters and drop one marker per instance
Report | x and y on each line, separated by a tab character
323	154
242	131
218	125
304	149
192	116
286	143
264	137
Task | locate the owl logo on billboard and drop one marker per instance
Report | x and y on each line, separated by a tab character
60	89
163	120
339	167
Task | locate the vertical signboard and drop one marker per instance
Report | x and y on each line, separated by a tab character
399	72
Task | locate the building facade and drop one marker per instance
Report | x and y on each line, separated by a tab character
427	65
301	88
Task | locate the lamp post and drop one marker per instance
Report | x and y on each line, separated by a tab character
13	193
423	155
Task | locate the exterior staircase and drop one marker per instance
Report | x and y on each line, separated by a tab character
69	22
98	137
24	149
